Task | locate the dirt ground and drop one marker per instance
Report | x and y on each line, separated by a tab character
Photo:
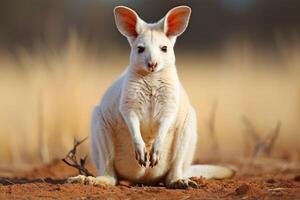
259	179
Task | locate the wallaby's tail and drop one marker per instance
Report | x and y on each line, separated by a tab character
209	172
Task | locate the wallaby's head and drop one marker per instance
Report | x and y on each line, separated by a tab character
152	45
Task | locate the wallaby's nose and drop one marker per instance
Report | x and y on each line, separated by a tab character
152	66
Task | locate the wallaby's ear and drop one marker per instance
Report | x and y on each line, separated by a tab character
176	20
127	21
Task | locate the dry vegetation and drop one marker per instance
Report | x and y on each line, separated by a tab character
47	97
248	105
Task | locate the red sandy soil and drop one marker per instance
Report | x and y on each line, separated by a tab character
265	179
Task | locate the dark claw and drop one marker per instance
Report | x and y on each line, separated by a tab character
185	186
193	184
151	164
152	161
142	163
140	160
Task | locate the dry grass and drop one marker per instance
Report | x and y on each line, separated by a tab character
47	98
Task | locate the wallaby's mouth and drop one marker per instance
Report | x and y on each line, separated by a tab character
146	69
152	69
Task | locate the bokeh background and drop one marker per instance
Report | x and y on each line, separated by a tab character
238	60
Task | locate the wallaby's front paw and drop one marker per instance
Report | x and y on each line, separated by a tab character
155	153
141	154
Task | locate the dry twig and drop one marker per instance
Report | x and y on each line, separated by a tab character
270	140
262	146
71	159
211	127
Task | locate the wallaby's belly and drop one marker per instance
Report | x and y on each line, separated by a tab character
127	166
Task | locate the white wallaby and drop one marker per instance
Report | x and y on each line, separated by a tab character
145	129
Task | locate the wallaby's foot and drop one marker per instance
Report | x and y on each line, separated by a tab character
183	184
90	180
76	179
141	153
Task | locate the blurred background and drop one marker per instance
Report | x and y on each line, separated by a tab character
238	60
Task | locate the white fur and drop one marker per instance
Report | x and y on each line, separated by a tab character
145	129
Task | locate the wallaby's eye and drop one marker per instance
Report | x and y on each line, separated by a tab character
164	48
141	49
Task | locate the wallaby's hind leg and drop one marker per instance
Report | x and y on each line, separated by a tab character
185	146
102	153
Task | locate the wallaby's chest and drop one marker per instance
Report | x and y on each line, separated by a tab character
151	99
149	114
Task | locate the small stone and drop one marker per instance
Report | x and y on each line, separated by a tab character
271	181
297	178
243	189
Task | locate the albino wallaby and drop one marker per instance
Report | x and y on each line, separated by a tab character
145	129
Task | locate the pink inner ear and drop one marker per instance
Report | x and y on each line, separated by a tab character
129	21
175	22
